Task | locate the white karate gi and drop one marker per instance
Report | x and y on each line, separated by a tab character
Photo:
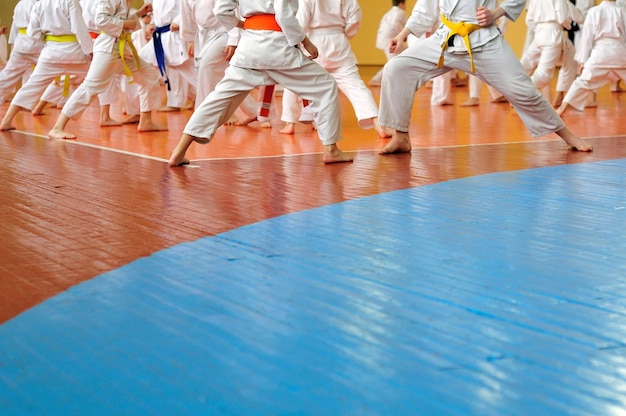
55	18
602	50
583	6
391	24
494	60
330	25
569	68
180	69
475	84
442	84
107	63
547	19
266	57
24	53
111	94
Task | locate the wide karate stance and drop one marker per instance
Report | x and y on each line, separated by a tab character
267	54
468	40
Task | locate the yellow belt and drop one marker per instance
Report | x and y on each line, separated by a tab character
126	40
462	29
65	39
21	30
61	38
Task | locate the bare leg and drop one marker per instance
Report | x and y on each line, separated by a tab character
400	143
558	99
332	154
178	154
562	109
146	123
471	102
58	131
288	128
573	141
105	117
7	121
39	108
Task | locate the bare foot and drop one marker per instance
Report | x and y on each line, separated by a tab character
579	145
245	122
573	141
374	83
400	143
443	103
500	99
108	122
266	125
332	154
6	127
178	154
175	161
60	134
134	119
232	121
561	110
149	126
167	109
288	128
383	133
471	102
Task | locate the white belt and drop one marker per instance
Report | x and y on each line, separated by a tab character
326	31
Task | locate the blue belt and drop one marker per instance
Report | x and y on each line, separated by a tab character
160	53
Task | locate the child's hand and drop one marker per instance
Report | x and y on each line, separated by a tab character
484	17
310	48
395	44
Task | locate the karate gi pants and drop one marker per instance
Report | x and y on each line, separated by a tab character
308	81
495	63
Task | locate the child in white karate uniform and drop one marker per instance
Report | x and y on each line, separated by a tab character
495	64
330	25
269	52
116	24
601	53
390	25
67	51
24	53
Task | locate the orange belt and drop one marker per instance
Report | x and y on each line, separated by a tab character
261	22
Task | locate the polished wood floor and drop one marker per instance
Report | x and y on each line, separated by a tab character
72	210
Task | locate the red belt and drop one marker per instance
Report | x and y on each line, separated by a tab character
94	34
262	22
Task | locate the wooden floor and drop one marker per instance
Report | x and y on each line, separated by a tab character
71	211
